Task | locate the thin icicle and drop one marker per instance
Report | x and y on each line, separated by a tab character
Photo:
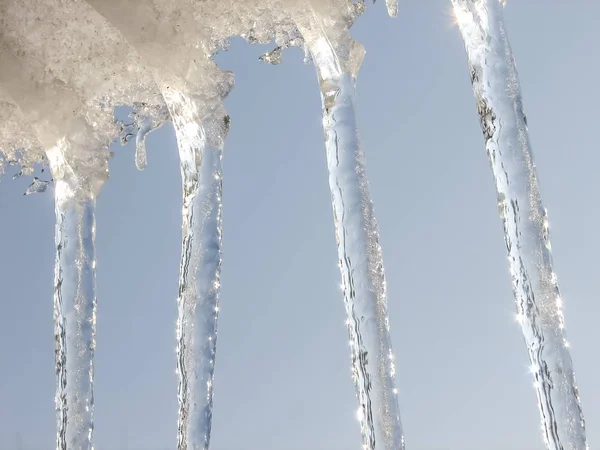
200	141
525	221
74	308
140	143
360	257
392	7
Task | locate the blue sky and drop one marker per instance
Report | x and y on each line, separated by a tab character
283	372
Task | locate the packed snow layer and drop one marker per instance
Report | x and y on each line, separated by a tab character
67	63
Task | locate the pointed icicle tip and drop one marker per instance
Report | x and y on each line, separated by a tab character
140	143
140	154
392	7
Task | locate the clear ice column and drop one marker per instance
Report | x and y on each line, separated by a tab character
200	140
525	221
74	306
360	256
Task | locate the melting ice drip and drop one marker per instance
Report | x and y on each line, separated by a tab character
59	84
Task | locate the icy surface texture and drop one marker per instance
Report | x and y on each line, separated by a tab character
525	221
49	110
177	39
66	69
337	59
18	142
74	319
200	141
79	61
172	45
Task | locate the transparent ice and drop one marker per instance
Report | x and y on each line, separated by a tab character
525	221
66	64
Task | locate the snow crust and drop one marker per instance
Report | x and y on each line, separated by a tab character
65	64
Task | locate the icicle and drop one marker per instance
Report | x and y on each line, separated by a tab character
79	166
359	252
140	143
200	141
392	7
74	305
524	218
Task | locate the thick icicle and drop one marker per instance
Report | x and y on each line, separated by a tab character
74	306
359	252
200	140
525	221
78	160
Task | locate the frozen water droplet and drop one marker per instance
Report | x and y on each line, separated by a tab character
140	143
273	57
392	7
37	186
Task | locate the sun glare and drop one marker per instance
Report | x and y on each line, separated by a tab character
459	15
